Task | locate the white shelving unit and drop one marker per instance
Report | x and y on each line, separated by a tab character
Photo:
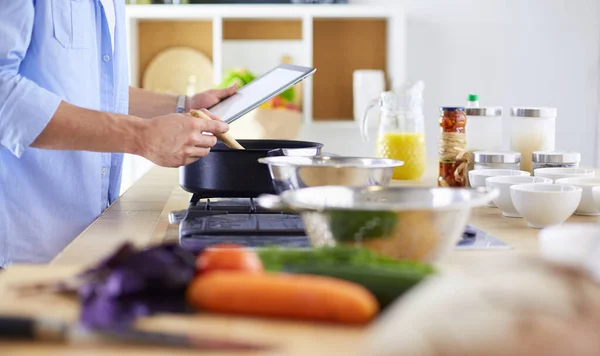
340	134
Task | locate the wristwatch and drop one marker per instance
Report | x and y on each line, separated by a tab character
181	104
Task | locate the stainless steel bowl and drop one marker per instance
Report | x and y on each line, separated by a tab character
290	173
400	222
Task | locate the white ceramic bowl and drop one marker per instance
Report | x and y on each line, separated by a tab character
558	173
544	204
477	177
503	184
587	206
596	197
576	244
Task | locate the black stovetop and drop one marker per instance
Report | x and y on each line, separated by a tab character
242	221
239	221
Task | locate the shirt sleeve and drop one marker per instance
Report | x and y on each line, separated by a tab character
25	107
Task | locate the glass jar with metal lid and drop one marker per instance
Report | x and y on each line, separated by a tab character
484	129
532	129
552	159
496	160
452	150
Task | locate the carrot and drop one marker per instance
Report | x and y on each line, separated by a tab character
228	257
294	296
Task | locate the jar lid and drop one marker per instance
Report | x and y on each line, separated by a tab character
533	112
489	111
452	108
556	157
496	157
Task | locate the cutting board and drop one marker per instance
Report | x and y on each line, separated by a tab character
293	338
179	70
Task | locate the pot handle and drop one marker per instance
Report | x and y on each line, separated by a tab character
300	152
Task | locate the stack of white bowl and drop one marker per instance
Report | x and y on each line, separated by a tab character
548	198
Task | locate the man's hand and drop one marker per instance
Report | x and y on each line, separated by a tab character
175	140
209	98
147	104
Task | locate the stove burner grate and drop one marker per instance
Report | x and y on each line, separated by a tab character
239	221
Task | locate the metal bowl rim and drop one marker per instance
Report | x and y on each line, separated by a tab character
292	161
482	196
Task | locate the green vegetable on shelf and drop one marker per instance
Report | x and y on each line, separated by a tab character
243	77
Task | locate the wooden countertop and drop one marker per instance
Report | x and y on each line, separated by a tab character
141	216
293	338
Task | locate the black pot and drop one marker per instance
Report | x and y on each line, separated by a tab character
227	173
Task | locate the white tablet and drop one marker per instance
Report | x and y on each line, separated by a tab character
260	90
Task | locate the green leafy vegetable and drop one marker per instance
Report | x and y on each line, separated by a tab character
240	76
354	226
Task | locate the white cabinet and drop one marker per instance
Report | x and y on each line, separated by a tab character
336	39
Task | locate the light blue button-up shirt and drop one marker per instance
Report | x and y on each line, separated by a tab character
53	50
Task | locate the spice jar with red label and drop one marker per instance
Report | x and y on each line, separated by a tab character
453	155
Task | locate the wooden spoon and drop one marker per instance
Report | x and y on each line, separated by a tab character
227	139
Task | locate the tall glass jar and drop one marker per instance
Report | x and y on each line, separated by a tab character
532	129
401	133
484	129
453	154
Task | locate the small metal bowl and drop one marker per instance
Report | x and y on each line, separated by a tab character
412	223
291	173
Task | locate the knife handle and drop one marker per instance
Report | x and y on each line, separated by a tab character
17	328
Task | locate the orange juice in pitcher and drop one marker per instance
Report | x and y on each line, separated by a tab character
401	133
408	147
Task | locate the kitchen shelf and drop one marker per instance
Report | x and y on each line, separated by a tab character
341	46
157	36
262	29
257	11
336	39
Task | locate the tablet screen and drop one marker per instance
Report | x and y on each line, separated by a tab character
259	91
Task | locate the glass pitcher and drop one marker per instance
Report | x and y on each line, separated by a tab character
401	132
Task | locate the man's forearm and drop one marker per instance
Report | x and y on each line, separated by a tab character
75	128
147	104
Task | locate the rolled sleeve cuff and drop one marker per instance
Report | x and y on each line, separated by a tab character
25	114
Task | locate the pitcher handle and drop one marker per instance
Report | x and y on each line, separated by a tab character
365	121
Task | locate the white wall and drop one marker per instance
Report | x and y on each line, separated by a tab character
510	52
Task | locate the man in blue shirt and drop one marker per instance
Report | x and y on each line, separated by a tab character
67	115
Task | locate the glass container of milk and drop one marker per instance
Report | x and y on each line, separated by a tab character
532	129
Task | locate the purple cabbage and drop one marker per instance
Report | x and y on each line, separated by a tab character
130	284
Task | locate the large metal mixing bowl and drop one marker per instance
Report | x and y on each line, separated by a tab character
400	222
301	172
